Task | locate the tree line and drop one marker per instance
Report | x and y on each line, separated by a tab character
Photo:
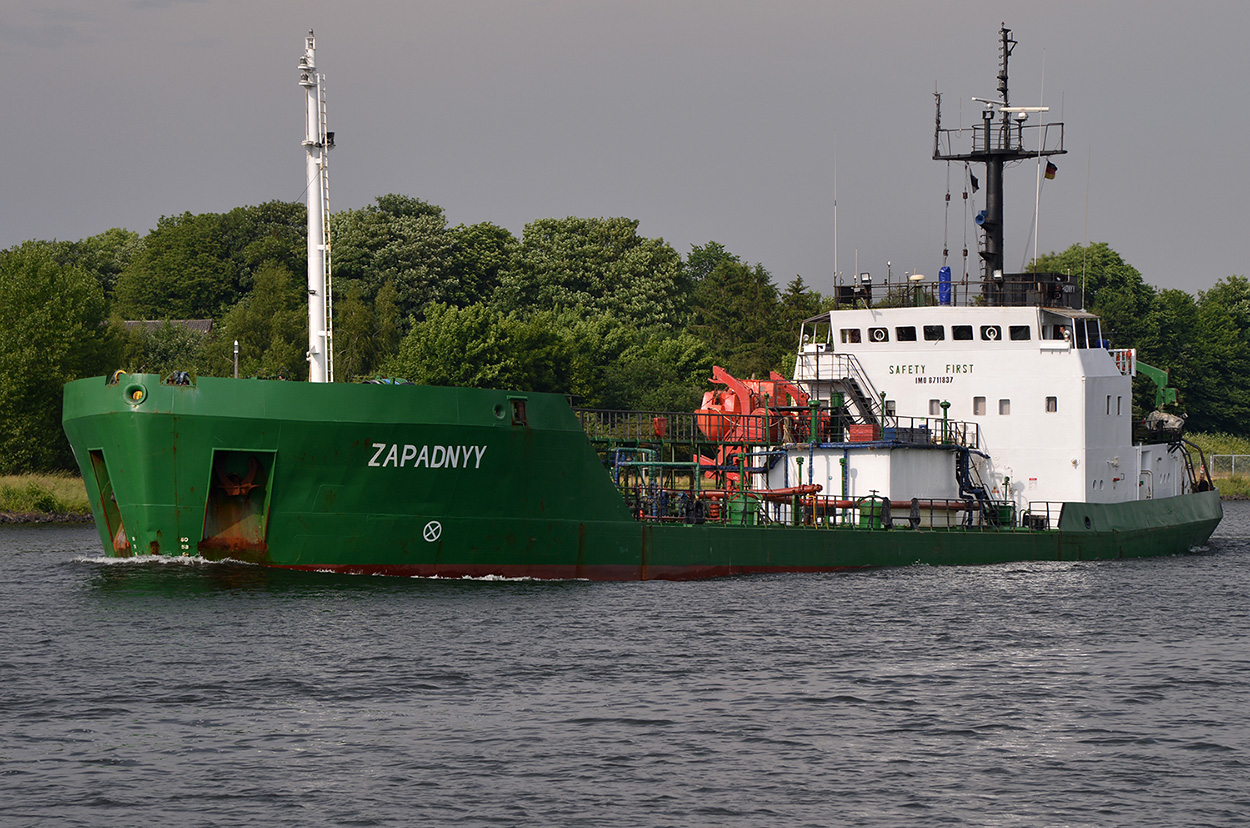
584	306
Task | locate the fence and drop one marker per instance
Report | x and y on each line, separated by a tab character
1229	465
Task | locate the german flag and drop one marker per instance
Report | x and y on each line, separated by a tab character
1051	169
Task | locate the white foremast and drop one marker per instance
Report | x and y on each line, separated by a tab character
317	144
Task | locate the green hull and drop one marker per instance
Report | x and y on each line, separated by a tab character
415	480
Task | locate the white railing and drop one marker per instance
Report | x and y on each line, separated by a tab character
1125	360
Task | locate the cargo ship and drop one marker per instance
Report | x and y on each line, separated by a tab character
947	422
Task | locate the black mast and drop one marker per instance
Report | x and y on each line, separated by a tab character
1001	137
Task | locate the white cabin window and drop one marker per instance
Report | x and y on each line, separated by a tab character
850	335
961	332
935	408
934	333
991	332
891	408
1052	404
1118	401
1004	406
1108	405
978	406
878	334
1020	333
905	333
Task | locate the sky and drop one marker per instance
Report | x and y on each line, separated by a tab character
743	123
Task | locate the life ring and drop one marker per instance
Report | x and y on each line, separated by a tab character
879	334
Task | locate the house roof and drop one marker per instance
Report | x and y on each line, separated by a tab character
200	326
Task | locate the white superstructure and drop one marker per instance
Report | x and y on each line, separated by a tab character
1047	407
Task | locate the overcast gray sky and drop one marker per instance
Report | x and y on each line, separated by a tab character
704	120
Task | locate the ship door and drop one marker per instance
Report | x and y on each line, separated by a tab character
108	505
236	513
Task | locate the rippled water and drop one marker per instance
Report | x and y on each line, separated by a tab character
1107	694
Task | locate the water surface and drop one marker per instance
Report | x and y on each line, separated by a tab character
187	693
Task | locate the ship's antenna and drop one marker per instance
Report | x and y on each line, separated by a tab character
837	276
1089	166
317	144
1001	137
1037	195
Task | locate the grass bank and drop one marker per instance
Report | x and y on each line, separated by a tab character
27	496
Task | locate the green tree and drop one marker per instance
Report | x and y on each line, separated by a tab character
162	348
1219	392
197	266
599	360
366	335
600	266
657	372
701	261
737	314
400	240
51	331
271	326
104	256
480	347
1112	288
479	257
179	273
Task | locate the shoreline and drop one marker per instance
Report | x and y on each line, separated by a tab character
29	518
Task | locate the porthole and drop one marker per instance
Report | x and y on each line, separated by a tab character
879	334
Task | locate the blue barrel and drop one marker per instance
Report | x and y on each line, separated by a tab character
944	286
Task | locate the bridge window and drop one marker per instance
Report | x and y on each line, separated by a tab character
961	332
905	334
1052	404
934	333
1004	406
1020	333
879	334
850	335
978	406
991	332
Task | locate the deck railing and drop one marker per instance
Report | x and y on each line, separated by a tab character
786	425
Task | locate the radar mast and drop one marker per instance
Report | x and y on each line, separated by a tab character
317	144
1002	136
